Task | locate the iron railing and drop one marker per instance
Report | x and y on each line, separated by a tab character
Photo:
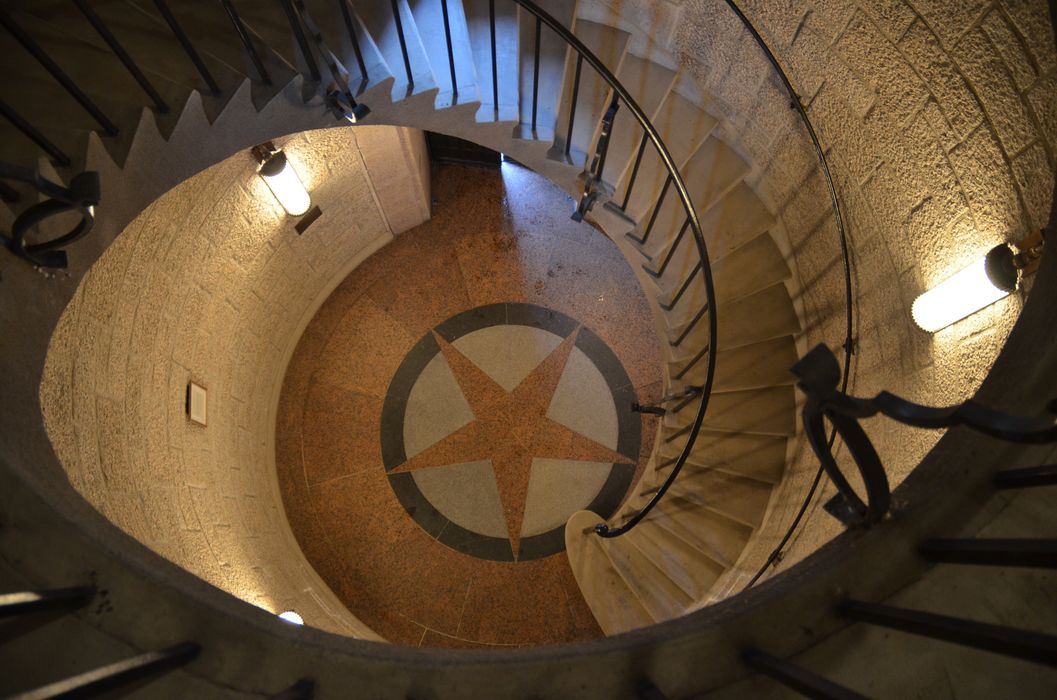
825	399
849	343
342	100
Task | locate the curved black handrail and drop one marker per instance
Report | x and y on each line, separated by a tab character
342	102
650	131
848	345
81	197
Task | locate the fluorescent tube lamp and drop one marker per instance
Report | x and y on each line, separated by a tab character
281	179
292	617
981	284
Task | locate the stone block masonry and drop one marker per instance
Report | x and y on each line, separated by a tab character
939	121
212	284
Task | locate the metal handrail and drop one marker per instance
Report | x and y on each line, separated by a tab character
651	133
674	181
848	345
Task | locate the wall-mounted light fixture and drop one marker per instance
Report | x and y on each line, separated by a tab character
292	617
282	180
992	277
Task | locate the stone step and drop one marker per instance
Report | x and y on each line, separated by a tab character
683	126
743	500
764	315
750	268
592	94
73	45
615	606
713	170
378	19
659	595
429	21
339	41
760	457
145	36
683	564
552	59
734	220
480	36
648	83
755	366
768	411
712	534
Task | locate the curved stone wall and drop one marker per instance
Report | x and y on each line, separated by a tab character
939	123
212	284
939	120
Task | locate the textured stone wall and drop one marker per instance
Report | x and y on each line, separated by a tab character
939	120
211	283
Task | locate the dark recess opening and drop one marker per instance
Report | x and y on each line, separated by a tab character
449	149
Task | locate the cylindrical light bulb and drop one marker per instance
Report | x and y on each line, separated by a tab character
285	184
960	295
291	616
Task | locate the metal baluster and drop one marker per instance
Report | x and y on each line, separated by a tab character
350	26
667	463
1026	478
572	106
119	674
634	172
671	252
247	41
49	65
8	193
536	74
607	133
495	68
1008	641
598	163
682	290
33	134
801	680
679	433
339	97
122	55
692	395
696	358
302	42
689	327
188	47
451	54
1030	553
656	211
23	602
403	45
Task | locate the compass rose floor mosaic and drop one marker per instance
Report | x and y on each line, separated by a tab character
455	400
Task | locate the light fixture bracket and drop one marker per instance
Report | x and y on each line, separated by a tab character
998	264
273	164
263	151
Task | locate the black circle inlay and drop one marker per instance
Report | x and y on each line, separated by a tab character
435	523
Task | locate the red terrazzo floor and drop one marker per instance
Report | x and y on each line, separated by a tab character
493	239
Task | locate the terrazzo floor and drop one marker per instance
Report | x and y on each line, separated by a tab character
458	396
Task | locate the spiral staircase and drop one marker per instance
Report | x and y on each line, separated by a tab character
430	65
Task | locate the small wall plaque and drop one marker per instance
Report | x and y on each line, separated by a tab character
196	403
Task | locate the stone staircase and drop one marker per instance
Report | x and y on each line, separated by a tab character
669	564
